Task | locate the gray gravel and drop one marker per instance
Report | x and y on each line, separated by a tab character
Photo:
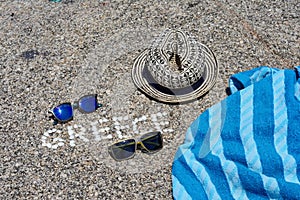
56	52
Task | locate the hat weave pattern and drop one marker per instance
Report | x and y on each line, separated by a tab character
161	61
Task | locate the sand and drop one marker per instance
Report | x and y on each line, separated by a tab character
52	53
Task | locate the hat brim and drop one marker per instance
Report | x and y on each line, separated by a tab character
143	80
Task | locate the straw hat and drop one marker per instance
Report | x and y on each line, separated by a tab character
176	68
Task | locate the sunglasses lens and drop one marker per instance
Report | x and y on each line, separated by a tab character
122	150
88	103
63	112
152	141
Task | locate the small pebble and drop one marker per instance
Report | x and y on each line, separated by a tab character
44	138
109	136
94	129
72	136
134	127
122	127
83	130
159	114
156	123
97	138
108	92
44	144
126	117
101	130
84	138
168	130
72	143
117	123
162	123
119	133
60	144
70	131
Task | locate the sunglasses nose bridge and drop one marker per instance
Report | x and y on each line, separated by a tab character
75	105
138	140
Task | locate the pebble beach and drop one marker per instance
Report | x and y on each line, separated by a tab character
55	52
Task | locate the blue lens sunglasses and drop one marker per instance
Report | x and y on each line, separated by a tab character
64	112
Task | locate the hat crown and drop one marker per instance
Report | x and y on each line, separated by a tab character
176	59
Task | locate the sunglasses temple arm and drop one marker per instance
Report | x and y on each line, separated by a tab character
142	146
55	121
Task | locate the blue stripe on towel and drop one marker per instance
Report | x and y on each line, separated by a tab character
246	146
294	120
233	147
263	123
182	193
202	127
253	183
190	186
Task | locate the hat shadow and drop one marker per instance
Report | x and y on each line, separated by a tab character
171	91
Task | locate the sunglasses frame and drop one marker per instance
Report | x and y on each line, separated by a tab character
74	106
137	141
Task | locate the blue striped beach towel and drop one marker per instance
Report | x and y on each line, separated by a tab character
248	145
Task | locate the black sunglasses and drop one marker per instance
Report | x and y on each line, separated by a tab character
147	143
